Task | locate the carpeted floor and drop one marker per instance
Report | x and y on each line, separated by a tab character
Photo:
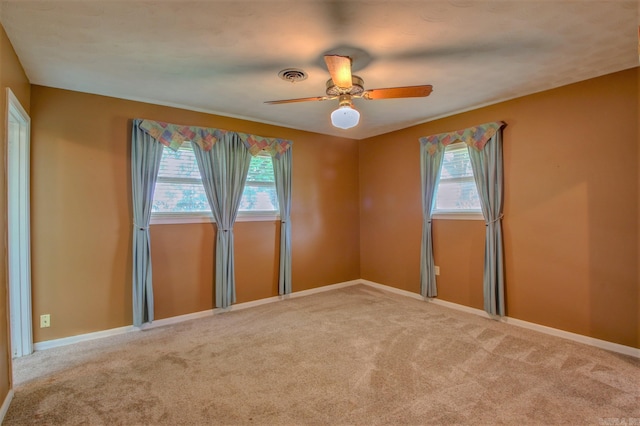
350	356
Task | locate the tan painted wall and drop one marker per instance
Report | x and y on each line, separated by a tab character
571	210
12	76
82	218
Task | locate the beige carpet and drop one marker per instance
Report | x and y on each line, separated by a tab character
350	356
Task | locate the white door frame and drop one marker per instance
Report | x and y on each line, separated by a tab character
18	128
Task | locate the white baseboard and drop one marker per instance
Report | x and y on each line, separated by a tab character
174	320
598	343
591	341
602	344
393	290
321	289
5	405
462	308
244	305
48	344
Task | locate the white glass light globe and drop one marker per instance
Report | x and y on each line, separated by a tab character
345	117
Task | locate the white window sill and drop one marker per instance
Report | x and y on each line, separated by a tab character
173	218
457	215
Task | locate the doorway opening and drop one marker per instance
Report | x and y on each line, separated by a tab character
18	127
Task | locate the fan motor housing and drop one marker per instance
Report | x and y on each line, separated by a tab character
357	87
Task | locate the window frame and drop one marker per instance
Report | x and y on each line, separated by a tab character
174	218
455	214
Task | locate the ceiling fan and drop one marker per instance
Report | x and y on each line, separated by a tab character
345	87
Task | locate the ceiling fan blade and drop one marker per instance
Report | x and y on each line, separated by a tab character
398	92
288	101
340	69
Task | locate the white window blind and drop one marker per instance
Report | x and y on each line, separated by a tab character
456	192
179	187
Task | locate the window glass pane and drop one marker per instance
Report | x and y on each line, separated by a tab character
459	195
457	189
179	188
259	198
260	191
180	163
456	164
261	169
179	198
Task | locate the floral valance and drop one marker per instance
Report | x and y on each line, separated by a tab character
174	135
476	137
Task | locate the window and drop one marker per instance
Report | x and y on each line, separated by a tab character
179	195
259	194
457	195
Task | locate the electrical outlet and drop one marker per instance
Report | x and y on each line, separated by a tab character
45	321
437	269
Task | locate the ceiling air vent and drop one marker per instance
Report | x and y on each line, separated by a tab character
292	75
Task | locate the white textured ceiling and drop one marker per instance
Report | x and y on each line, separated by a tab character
224	56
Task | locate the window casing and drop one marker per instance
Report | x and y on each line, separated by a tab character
457	195
180	197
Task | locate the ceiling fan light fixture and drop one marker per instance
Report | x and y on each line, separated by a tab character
345	117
